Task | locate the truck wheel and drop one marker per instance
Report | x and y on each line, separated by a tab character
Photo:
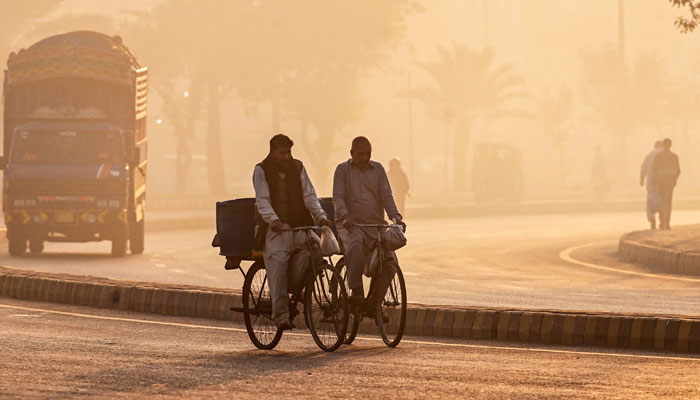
136	239
16	245
118	247
36	246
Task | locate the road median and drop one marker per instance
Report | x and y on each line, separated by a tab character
674	251
674	333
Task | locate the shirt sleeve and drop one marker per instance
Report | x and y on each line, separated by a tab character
387	196
310	199
339	195
262	196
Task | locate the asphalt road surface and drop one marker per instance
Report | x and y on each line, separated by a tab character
490	261
56	351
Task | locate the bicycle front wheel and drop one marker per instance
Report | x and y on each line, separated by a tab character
391	308
326	307
257	309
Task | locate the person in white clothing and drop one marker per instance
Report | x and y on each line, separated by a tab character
284	198
653	199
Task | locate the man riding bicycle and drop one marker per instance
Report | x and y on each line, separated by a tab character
361	194
284	198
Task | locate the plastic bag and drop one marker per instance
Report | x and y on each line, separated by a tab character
296	271
394	239
372	264
329	244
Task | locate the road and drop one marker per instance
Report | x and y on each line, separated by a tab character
69	352
490	261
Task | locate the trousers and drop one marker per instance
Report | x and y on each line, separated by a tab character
357	245
276	254
666	193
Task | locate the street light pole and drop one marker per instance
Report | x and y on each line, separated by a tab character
410	128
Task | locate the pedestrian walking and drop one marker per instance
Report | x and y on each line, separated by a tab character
653	198
399	184
665	172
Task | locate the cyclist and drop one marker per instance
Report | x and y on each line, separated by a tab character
284	198
361	193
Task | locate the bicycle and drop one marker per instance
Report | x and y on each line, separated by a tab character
387	293
325	301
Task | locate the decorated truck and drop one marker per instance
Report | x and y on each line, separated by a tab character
74	144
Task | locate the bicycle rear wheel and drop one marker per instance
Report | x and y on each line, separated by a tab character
326	307
353	315
257	309
391	308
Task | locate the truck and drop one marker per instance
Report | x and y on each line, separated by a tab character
74	144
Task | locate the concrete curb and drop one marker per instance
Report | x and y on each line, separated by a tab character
678	262
652	332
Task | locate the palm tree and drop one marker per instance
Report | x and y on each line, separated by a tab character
467	86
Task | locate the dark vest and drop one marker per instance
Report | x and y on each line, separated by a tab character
286	194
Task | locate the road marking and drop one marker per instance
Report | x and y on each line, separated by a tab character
566	256
365	338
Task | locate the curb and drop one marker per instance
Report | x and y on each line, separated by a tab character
679	262
652	332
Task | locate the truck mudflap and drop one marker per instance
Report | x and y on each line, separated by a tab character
64	217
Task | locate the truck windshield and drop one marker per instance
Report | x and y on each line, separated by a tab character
67	147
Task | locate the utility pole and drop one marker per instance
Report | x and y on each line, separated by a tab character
621	29
486	23
410	128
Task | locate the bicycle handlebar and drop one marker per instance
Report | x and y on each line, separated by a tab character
301	228
379	226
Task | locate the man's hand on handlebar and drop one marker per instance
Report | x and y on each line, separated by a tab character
325	222
276	226
348	222
400	222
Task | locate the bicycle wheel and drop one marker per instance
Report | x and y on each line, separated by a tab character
391	310
326	308
353	317
257	309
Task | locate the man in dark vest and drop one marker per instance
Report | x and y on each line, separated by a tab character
284	198
665	172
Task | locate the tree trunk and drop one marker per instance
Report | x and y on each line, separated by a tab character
562	164
459	156
183	157
215	167
276	98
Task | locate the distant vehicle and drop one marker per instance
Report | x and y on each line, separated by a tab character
74	148
497	173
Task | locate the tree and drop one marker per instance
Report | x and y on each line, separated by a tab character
555	119
310	56
200	47
467	86
688	23
623	98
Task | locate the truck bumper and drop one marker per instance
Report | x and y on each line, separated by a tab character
72	225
